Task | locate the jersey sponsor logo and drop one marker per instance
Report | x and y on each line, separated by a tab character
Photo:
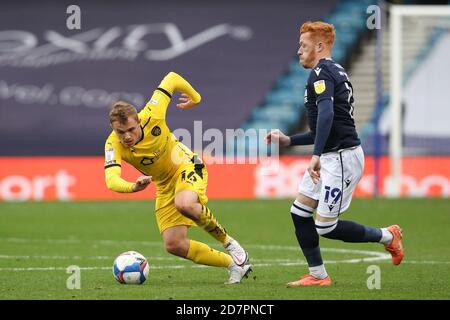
305	98
319	86
156	131
317	71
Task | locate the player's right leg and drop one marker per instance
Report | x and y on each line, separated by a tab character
177	243
190	201
340	173
187	203
395	246
302	216
351	231
173	227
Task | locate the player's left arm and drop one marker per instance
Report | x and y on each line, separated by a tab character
189	96
156	107
324	89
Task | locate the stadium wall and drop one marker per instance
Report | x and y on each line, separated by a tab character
82	178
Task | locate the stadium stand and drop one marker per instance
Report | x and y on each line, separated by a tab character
354	48
122	52
420	37
283	106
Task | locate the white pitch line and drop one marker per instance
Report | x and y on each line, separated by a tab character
373	256
257	265
80	241
14	257
160	244
377	256
81	268
426	262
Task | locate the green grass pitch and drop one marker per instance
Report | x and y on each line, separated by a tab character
38	241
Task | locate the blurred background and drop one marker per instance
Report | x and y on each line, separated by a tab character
57	84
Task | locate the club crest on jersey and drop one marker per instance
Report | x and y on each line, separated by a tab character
156	131
147	161
319	86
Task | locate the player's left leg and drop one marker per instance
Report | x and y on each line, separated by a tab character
302	216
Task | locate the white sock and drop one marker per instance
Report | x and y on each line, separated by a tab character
318	272
386	236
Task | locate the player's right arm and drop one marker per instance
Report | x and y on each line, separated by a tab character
286	141
113	170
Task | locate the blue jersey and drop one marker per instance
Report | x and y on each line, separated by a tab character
328	80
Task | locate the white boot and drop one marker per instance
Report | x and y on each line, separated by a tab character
239	255
237	273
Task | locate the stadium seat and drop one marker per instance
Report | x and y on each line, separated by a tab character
284	96
294	82
280	113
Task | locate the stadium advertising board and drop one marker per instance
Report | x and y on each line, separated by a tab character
81	178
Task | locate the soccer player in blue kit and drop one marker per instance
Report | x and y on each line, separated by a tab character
337	163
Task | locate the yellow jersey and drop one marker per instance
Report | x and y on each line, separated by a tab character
158	154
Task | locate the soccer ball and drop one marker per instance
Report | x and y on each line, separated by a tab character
130	267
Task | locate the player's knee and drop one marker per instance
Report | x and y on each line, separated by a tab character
325	227
175	247
301	210
185	207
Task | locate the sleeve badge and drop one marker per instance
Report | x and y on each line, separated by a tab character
109	154
319	86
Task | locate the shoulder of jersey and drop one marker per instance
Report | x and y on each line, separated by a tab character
321	68
333	66
329	67
112	137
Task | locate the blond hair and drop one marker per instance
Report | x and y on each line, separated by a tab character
121	111
320	31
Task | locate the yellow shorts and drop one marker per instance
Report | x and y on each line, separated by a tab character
192	177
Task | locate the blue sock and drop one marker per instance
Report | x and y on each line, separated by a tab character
349	231
308	239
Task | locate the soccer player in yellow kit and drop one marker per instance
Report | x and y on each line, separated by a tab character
144	140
